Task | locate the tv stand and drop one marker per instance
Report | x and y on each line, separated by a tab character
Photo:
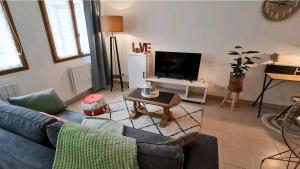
188	93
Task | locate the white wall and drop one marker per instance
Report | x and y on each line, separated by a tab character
42	73
212	28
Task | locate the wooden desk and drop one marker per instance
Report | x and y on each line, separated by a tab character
277	72
275	76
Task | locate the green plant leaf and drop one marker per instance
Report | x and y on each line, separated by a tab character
248	62
248	59
250	52
233	53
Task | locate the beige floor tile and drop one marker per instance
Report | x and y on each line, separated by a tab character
212	111
229	166
235	141
234	127
267	164
230	115
211	124
238	158
215	133
258	132
221	165
291	165
221	156
262	147
281	146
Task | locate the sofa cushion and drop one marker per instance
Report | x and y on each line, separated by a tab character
156	156
52	132
24	122
45	101
71	116
17	152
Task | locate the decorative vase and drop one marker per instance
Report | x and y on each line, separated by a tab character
236	83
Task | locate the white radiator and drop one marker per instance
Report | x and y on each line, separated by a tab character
81	78
8	90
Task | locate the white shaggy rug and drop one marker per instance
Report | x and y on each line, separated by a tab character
187	115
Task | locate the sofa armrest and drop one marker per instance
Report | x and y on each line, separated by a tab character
204	154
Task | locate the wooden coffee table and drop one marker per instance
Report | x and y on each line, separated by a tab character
166	100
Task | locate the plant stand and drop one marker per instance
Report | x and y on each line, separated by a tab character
231	97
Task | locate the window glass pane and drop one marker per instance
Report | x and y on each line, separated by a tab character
60	18
9	55
81	25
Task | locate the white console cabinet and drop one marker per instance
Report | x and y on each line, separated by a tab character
192	91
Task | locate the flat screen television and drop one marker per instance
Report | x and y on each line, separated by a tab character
177	65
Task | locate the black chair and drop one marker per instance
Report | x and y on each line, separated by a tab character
291	136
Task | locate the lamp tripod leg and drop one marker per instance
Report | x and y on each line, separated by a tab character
118	60
111	65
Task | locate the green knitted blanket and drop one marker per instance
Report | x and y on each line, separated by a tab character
104	124
81	147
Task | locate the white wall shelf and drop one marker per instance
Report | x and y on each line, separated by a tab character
187	93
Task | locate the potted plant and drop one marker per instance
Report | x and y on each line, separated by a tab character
242	61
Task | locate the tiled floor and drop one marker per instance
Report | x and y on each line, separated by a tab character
242	139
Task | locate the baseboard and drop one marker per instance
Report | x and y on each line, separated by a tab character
248	102
89	91
78	97
125	83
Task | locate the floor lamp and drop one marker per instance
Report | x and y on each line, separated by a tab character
113	24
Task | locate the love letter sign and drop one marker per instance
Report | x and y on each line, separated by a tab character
142	48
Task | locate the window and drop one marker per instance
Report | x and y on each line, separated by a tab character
12	58
66	28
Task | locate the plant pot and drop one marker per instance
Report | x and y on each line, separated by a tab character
236	83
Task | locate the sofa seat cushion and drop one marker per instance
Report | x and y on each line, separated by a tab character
71	116
45	101
17	152
25	122
142	136
154	156
53	131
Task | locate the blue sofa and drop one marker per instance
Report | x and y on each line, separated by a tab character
18	151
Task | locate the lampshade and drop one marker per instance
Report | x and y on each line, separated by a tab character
111	23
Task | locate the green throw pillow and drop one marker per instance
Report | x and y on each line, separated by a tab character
45	101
